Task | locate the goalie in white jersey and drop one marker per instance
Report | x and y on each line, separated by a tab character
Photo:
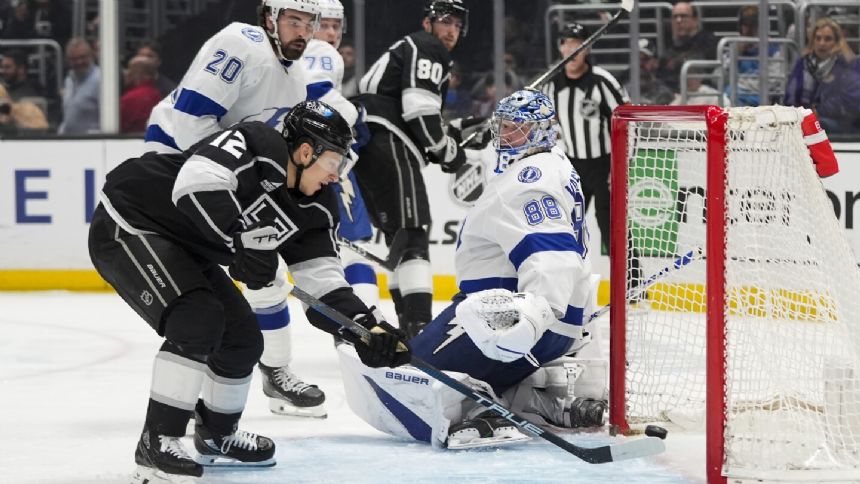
252	73
525	288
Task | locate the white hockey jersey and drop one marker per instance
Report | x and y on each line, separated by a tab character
235	77
324	67
527	233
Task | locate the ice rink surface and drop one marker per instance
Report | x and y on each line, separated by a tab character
74	382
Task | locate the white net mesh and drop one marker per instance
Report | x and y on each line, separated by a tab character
791	281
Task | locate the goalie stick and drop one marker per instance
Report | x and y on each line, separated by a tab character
626	7
395	251
628	449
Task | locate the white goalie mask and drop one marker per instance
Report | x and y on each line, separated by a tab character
523	124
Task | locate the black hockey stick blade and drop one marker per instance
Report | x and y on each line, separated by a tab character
627	449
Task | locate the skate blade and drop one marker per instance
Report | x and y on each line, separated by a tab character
149	475
461	444
224	461
280	407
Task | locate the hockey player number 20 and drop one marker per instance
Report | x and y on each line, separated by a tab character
229	70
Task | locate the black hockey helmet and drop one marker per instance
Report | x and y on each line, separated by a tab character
574	30
320	125
437	9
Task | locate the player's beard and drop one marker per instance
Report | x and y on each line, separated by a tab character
295	49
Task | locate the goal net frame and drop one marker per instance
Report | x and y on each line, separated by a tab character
716	123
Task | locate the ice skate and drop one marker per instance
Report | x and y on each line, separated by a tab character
289	395
240	448
161	458
485	430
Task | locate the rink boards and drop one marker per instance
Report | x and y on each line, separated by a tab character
50	188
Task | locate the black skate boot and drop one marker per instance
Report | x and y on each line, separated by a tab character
487	429
237	449
585	412
288	395
161	458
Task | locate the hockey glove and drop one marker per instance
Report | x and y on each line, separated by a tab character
386	346
450	157
256	259
476	132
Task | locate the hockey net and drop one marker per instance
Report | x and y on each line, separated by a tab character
735	293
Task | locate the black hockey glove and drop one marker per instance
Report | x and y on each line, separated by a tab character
387	345
450	158
256	260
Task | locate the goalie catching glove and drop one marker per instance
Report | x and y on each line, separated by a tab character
386	345
505	325
256	259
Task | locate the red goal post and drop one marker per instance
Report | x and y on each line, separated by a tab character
754	342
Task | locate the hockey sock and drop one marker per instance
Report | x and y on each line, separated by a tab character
362	278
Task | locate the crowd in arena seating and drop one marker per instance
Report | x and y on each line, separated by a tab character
825	75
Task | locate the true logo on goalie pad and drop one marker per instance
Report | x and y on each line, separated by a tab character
266	210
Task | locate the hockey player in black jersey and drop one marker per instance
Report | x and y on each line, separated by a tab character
239	198
403	93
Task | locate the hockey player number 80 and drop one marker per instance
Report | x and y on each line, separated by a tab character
427	69
536	211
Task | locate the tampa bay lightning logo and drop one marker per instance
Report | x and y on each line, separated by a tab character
529	174
253	34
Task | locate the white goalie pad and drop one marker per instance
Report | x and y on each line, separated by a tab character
505	325
404	401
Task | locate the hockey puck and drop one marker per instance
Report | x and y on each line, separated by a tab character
656	431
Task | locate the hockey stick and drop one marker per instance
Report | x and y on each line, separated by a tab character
626	7
395	251
680	262
629	449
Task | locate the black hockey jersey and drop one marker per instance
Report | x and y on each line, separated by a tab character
405	89
200	198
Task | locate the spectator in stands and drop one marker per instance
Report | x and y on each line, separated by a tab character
18	23
748	64
827	79
150	49
458	100
19	117
141	96
13	69
52	20
350	83
689	41
652	90
484	95
699	93
81	90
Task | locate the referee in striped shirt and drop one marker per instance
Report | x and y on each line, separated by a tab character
584	97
